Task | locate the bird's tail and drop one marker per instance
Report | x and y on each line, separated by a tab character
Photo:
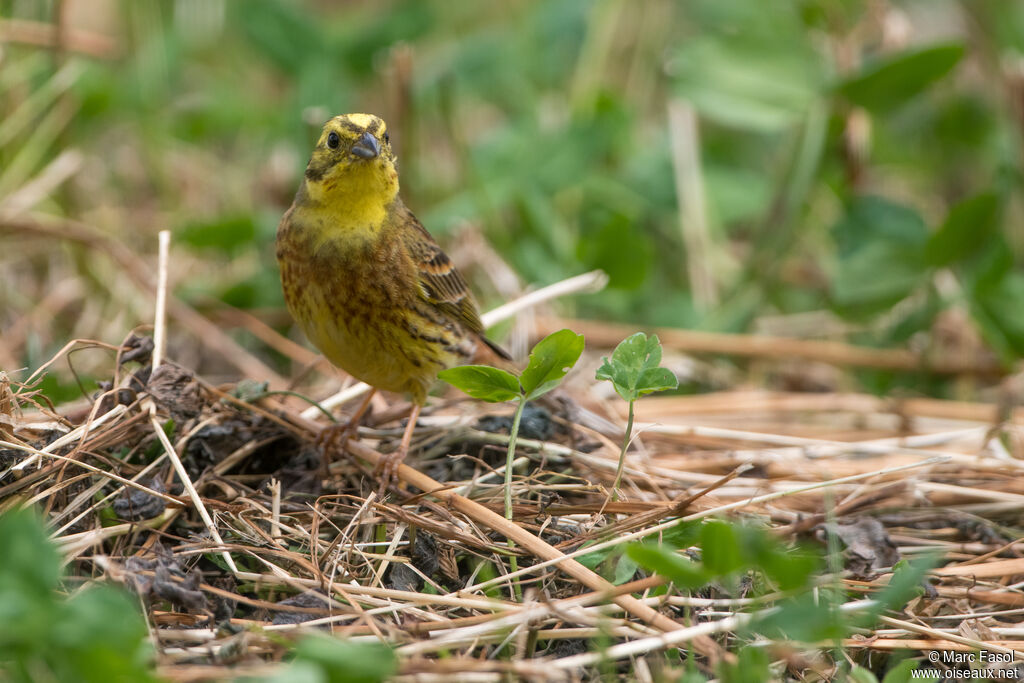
498	351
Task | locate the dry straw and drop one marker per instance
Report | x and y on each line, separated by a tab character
939	476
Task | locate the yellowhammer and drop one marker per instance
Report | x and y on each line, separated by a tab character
364	279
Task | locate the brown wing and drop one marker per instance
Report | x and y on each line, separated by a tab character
441	284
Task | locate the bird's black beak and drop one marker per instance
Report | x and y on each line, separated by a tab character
366	147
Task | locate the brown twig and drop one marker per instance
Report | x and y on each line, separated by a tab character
50	35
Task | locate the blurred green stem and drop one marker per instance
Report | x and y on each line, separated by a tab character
622	453
509	457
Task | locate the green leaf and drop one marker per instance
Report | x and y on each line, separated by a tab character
968	227
621	248
592	560
720	548
907	582
618	567
550	359
625	570
682	535
889	83
28	579
102	637
990	267
807	618
633	368
689	676
881	256
282	32
859	674
31	564
483	382
656	379
229	234
296	672
877	219
342	661
902	673
97	635
752	666
682	572
750	66
788	568
58	390
996	309
735	194
875	279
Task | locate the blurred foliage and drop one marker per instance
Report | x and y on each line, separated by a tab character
323	659
858	158
96	634
790	602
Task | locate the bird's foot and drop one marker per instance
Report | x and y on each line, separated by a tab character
387	466
387	469
334	436
332	439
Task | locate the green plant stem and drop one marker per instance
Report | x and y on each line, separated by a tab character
513	434
511	456
622	453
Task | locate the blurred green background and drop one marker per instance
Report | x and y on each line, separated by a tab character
842	169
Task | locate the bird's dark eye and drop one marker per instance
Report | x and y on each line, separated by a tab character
333	140
387	138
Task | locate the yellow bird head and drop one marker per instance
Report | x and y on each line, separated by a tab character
352	159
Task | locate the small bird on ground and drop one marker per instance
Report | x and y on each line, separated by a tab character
365	280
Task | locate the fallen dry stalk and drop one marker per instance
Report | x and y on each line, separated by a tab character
607	335
536	546
924	469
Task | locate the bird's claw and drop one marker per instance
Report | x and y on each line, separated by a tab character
387	469
333	437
